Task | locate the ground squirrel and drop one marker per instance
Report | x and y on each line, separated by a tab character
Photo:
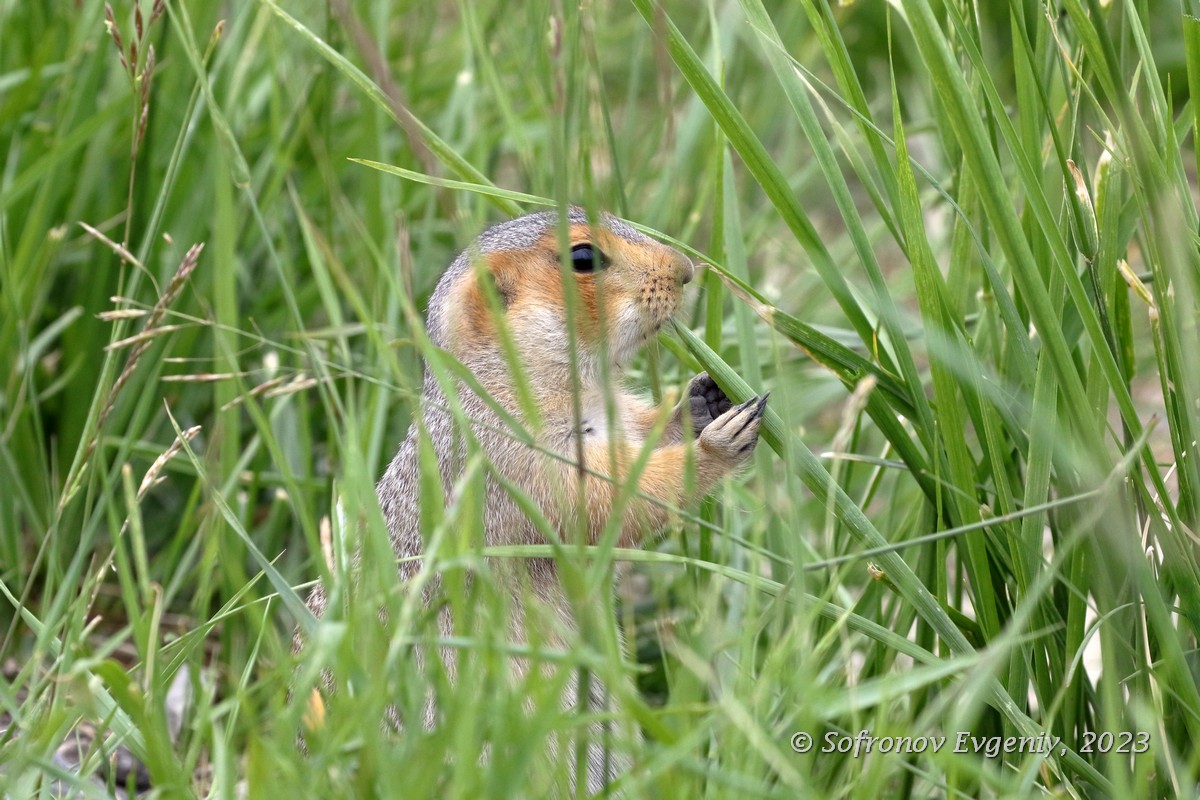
628	286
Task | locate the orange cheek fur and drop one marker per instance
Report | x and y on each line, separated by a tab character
540	285
523	279
472	319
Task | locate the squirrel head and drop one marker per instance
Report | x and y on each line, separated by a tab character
627	285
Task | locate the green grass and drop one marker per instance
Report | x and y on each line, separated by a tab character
957	241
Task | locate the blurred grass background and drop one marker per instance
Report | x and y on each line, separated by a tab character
976	505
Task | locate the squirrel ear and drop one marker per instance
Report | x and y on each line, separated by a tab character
502	285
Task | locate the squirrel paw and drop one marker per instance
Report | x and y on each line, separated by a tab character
706	402
733	434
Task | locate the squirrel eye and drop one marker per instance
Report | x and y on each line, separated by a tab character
587	258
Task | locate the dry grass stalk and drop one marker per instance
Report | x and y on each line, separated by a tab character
151	477
143	340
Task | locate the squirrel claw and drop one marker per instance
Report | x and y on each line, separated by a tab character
733	435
